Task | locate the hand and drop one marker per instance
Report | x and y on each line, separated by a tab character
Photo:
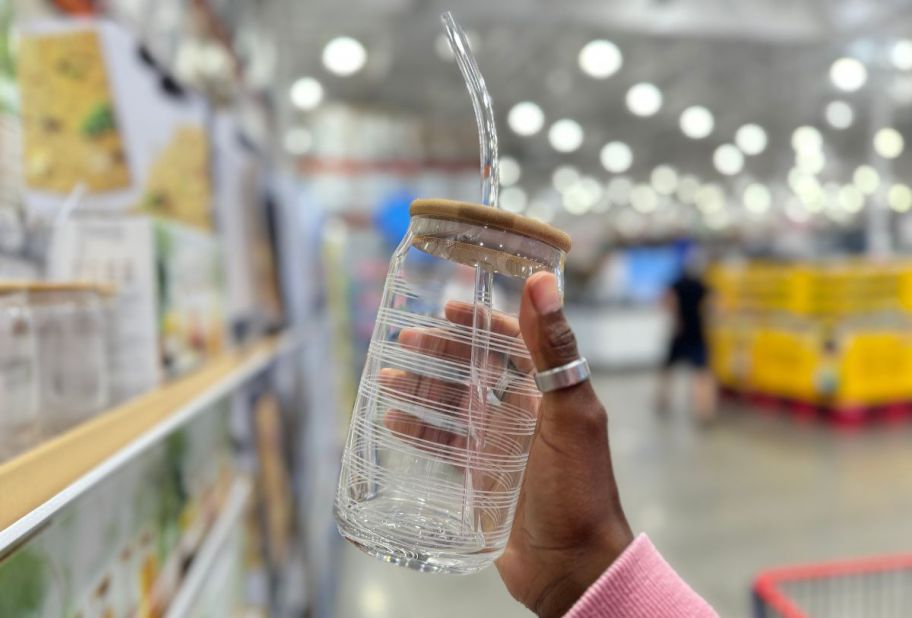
451	343
569	525
433	407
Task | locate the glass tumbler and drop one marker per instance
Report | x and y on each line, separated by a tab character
447	405
18	388
72	351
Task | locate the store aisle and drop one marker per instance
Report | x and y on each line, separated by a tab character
751	493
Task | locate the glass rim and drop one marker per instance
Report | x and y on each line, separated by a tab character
478	214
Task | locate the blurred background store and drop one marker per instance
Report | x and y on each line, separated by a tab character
198	201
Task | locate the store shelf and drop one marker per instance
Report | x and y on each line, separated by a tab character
38	484
206	559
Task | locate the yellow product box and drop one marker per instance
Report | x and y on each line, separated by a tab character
730	352
875	367
785	361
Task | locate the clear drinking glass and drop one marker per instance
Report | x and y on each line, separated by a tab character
447	406
18	389
72	353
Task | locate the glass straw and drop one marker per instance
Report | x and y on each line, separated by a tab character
484	112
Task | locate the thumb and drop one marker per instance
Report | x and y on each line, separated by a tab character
551	343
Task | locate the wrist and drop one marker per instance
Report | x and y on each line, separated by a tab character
580	569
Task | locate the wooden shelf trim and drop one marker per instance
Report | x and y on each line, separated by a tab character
39	483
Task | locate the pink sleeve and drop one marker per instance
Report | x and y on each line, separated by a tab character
640	583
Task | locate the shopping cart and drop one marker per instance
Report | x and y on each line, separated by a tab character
867	588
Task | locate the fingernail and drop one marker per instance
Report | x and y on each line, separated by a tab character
544	294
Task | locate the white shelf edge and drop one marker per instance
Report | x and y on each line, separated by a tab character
30	523
215	540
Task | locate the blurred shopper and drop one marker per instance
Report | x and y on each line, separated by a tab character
571	551
686	302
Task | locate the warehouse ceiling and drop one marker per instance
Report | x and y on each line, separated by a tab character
765	62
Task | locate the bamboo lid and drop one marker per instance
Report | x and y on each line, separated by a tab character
493	217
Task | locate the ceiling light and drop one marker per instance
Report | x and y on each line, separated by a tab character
848	74
866	179
900	198
619	189
445	50
474	39
644	99
795	177
564	177
901	55
566	135
710	198
592	188
510	171
757	198
541	210
728	160
808	190
807	139
576	202
840	115
889	143
513	199
298	141
664	180
814	204
526	118
697	122
600	59
810	162
344	56
616	157
751	139
644	199
306	93
442	47
851	199
687	188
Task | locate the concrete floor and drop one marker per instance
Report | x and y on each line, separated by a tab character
750	493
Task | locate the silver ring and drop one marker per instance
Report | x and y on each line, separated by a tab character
564	376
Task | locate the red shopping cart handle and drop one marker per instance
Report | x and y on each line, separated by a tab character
767	584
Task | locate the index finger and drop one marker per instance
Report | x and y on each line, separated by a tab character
505	327
460	312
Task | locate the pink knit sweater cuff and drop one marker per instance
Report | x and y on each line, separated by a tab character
640	584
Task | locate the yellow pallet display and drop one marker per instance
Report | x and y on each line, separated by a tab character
837	334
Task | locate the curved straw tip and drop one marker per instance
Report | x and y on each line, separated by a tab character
481	102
